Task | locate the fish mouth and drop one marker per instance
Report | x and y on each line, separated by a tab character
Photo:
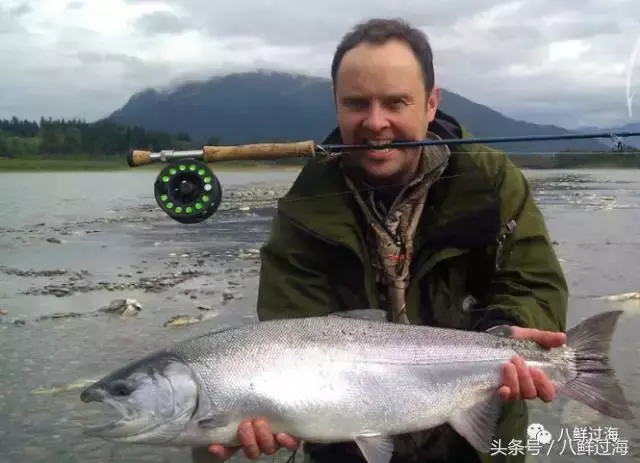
130	423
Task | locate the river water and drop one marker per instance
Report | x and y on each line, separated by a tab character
74	242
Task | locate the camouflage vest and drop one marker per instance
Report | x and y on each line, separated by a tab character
390	239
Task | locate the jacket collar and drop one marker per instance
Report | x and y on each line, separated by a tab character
461	211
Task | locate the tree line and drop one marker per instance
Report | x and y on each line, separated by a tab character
74	137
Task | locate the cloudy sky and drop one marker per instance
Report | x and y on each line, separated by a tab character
547	61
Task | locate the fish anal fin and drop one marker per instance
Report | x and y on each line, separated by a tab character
375	448
478	424
216	420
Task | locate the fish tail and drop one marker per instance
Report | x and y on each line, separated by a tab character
595	384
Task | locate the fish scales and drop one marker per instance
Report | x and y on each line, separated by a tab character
336	379
346	372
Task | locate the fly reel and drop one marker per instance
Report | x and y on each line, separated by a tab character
188	191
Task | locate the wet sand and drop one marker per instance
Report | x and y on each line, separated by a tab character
57	273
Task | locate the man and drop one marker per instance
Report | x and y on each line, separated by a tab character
440	235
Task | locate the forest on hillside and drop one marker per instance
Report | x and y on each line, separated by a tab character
77	139
62	138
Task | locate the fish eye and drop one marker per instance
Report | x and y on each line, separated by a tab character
121	389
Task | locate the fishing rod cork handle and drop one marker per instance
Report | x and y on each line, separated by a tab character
259	151
136	158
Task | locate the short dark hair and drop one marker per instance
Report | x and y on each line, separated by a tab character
379	31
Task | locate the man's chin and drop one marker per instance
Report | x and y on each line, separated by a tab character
381	173
377	156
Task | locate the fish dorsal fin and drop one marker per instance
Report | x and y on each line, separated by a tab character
478	424
375	315
375	447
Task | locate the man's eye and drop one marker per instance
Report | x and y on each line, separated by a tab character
359	103
395	104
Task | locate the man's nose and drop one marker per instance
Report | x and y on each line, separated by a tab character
376	119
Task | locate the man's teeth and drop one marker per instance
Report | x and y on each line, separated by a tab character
380	143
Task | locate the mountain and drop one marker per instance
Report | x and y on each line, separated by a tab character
259	106
631	127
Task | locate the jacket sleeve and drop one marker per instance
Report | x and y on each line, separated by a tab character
294	278
528	287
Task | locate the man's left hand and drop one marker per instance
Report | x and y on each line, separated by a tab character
521	382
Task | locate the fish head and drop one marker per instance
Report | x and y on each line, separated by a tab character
155	398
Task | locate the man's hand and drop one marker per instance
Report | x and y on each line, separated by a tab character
256	438
521	382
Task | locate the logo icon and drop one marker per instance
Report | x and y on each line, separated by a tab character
537	432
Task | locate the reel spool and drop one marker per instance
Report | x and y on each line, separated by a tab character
188	191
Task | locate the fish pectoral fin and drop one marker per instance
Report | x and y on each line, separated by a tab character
217	420
479	423
376	448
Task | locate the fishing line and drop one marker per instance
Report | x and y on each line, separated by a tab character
189	192
630	68
349	192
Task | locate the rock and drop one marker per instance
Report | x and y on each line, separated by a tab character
32	273
59	316
148	284
58	291
205	309
125	307
186	319
54	240
19	322
244	208
181	320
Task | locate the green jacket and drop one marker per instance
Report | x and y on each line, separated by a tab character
316	262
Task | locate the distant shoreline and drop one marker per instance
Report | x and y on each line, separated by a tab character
562	161
120	164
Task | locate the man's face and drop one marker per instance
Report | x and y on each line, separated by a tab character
380	96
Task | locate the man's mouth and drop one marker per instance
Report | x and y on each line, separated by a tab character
379	143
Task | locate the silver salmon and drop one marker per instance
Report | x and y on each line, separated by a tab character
344	378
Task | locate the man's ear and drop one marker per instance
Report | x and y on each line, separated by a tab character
433	101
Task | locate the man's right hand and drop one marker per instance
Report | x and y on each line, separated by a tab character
256	438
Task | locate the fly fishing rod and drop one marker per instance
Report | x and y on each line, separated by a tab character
189	192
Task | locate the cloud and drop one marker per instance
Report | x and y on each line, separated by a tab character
546	61
161	22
